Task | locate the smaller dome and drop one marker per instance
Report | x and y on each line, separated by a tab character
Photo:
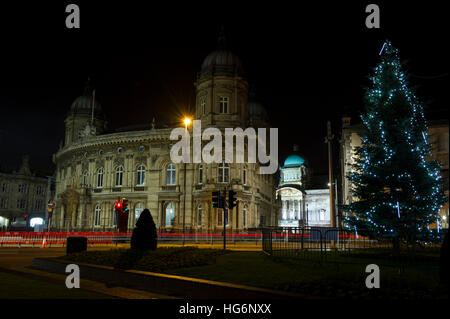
293	161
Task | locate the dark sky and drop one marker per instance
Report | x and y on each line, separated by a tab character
309	63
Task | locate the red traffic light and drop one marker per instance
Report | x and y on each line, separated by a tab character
118	205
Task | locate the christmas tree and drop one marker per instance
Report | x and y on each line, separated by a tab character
398	192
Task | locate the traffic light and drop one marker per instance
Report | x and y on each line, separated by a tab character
118	207
218	201
232	200
125	205
215	199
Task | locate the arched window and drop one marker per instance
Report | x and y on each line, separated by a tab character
171	174
100	177
140	180
244	216
97	214
200	174
119	176
114	215
224	173
137	211
170	214
244	175
85	176
199	215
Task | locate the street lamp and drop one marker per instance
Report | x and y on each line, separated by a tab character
187	122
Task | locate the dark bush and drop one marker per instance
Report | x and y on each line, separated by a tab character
76	245
144	234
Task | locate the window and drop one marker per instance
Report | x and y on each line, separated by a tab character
85	175
38	204
200	174
4	187
21	203
219	218
322	214
4	203
141	148
119	176
97	214
114	215
244	175
22	188
137	211
171	174
100	177
140	175
223	103
199	215
244	216
224	173
203	106
170	214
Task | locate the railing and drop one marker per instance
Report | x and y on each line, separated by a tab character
312	242
49	239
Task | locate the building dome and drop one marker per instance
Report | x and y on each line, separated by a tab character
83	103
222	60
293	161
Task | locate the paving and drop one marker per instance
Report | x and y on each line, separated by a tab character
17	260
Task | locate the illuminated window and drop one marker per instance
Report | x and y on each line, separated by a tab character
140	175
171	174
170	214
100	177
85	175
199	215
223	103
119	175
224	173
203	105
200	174
137	211
97	214
114	215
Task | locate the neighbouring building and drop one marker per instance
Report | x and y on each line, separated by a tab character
23	198
350	139
94	166
304	202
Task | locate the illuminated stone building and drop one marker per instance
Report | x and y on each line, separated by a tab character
95	167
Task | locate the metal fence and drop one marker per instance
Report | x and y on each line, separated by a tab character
314	242
172	236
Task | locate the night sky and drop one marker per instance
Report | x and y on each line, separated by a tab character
309	64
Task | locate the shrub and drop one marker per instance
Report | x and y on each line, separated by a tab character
76	244
144	234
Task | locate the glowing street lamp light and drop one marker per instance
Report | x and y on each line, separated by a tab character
187	122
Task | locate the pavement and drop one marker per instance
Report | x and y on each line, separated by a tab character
17	261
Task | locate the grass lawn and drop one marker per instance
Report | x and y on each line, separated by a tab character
17	287
343	277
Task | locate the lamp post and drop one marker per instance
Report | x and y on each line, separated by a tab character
187	121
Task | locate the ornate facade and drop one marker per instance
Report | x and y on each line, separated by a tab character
95	168
301	204
22	193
